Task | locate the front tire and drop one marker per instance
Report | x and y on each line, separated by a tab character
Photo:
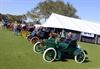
49	55
80	58
38	48
34	40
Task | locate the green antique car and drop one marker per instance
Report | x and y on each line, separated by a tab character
53	50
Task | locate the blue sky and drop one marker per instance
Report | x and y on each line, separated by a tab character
86	9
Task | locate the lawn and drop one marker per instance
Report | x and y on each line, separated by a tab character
16	53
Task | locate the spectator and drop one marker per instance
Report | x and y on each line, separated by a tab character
62	34
68	37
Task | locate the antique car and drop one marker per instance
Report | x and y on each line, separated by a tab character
53	50
32	39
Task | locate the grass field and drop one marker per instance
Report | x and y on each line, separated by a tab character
16	53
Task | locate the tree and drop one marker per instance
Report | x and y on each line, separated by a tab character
44	9
32	15
0	17
13	18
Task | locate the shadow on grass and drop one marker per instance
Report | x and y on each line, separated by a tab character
86	61
63	60
66	58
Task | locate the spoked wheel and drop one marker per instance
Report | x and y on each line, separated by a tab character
34	40
38	47
80	58
49	55
29	37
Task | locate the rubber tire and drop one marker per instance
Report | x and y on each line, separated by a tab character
34	47
34	38
83	58
46	52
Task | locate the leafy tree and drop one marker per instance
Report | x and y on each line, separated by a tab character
14	18
44	9
32	15
0	17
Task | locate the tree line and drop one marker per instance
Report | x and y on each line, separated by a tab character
44	10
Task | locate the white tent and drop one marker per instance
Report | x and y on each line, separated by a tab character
52	21
60	21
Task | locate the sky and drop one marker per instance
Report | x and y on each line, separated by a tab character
86	9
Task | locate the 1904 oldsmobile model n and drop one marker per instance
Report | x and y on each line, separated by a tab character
53	50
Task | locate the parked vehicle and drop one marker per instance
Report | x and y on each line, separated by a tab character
53	50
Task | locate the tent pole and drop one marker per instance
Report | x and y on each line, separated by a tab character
96	37
80	38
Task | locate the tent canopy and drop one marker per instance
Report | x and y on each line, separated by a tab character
60	21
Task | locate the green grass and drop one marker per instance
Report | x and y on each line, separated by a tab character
16	53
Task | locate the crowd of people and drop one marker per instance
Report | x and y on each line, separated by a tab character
30	31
